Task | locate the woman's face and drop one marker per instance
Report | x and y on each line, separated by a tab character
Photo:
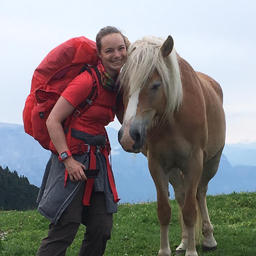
113	53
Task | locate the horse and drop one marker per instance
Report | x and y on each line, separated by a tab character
174	116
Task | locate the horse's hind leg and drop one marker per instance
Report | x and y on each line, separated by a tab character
209	170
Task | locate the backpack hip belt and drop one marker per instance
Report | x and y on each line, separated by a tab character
93	150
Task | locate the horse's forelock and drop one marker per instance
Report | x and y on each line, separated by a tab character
144	57
139	66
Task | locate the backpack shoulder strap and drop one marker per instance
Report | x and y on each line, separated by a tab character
94	92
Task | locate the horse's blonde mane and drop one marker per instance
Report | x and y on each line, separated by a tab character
144	57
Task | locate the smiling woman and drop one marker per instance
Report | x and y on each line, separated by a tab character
68	197
113	53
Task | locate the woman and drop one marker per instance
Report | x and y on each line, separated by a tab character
83	200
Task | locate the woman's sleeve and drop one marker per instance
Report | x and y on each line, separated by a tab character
78	89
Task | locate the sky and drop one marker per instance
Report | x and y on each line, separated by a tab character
216	37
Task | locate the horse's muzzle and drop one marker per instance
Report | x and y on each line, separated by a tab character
131	138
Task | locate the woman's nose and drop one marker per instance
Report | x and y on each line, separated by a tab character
117	54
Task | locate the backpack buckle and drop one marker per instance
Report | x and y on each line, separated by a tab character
77	113
98	147
87	148
89	101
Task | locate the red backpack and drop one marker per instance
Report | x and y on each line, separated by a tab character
51	77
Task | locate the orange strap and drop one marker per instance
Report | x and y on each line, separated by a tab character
110	176
66	178
89	182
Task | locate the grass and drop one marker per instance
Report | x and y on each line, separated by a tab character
136	229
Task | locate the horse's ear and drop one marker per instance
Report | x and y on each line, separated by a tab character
167	46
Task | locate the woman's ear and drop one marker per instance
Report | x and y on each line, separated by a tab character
127	42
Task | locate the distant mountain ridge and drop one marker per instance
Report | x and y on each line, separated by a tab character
23	154
241	154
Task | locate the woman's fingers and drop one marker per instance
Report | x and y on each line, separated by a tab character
79	174
76	171
83	176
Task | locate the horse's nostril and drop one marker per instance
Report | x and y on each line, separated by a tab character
136	136
138	141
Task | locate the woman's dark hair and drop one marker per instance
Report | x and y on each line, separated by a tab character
107	31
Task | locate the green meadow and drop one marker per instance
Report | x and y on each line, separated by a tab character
136	230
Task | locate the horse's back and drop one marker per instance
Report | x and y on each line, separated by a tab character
216	124
211	83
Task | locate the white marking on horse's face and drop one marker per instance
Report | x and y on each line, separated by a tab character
132	106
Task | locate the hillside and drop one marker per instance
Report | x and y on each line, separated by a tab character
16	193
22	153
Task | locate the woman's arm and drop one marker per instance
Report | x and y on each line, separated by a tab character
58	115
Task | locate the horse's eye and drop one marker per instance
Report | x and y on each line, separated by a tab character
155	86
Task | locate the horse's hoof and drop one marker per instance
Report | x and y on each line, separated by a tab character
209	249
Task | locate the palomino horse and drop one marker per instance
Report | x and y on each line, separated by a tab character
173	115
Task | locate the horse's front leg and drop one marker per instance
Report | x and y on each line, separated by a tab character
177	181
163	206
192	176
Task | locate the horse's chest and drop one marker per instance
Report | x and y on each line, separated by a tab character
170	153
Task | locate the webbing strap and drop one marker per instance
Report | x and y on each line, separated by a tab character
110	176
66	178
89	182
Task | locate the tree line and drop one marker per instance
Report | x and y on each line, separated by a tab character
16	193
